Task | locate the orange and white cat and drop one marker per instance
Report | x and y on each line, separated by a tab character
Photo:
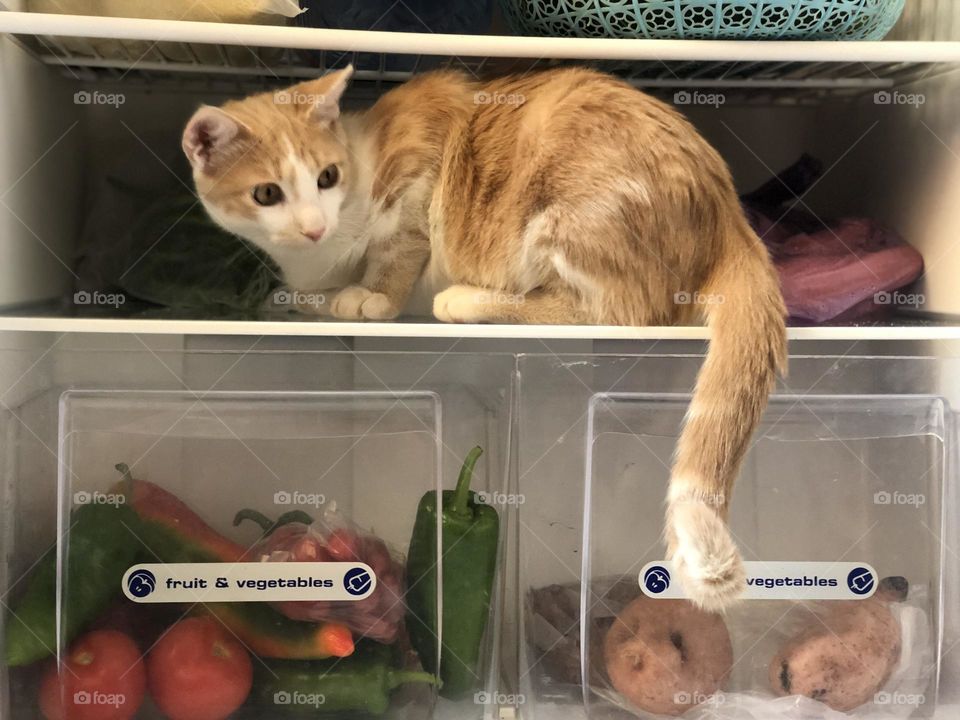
561	197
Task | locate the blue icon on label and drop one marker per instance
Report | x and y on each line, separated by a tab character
141	583
357	581
860	581
656	579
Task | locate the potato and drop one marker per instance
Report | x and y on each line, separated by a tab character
846	653
665	656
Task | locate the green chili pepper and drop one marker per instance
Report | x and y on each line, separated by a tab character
360	683
470	533
102	546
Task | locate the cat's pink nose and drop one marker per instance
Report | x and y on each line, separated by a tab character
314	234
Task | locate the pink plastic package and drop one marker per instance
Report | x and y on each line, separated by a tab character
333	539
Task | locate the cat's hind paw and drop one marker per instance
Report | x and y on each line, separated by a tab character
461	304
358	303
704	556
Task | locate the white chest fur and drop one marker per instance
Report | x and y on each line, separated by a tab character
335	261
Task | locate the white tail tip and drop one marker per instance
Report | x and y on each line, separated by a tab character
704	555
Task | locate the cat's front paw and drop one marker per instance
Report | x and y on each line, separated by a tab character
460	304
704	556
358	303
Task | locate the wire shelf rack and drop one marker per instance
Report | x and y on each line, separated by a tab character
202	55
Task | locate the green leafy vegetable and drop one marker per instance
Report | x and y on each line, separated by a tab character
180	259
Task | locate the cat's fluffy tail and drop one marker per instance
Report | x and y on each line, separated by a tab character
745	313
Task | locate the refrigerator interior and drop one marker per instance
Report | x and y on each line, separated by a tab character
854	474
576	446
354	440
854	462
99	125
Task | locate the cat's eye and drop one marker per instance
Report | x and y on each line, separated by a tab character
329	177
267	194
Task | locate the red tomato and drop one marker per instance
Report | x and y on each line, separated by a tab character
102	678
199	671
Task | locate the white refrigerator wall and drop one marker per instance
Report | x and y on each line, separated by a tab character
41	176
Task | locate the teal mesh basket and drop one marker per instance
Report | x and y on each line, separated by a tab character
726	19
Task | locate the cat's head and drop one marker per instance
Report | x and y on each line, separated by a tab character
274	168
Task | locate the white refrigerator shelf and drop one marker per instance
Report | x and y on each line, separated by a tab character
161	49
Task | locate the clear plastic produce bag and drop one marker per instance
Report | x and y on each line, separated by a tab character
771	642
331	538
246	12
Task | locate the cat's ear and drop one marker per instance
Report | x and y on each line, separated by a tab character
209	133
326	92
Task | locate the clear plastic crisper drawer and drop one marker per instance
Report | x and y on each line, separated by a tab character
833	485
265	550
